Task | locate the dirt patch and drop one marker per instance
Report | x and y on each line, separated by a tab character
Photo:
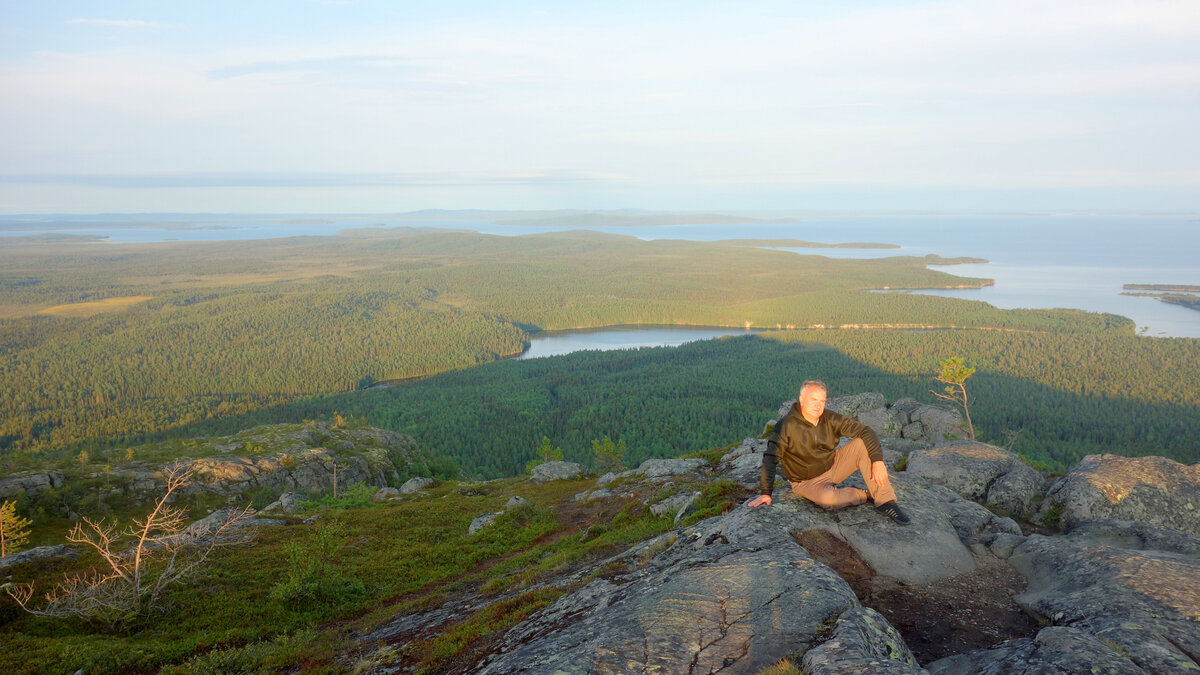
946	617
84	309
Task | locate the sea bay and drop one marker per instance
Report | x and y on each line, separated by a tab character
1077	261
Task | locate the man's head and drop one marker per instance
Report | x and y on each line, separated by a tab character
812	400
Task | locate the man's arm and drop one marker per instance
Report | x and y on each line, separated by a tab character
852	428
770	461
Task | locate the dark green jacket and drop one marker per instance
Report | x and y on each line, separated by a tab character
806	450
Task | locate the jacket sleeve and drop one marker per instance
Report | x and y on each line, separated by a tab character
851	428
766	483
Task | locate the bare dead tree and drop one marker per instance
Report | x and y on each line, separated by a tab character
130	581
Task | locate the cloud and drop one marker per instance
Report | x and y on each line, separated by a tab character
308	180
337	63
118	23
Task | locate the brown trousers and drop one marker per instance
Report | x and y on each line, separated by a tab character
823	489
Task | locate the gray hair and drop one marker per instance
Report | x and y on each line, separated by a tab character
817	384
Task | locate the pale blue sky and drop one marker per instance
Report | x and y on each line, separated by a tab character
305	106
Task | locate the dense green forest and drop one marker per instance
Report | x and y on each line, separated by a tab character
1062	394
104	345
101	343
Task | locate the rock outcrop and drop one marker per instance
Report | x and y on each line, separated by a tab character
285	458
981	472
31	483
735	593
550	471
1152	490
37	554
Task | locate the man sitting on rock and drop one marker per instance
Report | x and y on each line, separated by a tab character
805	442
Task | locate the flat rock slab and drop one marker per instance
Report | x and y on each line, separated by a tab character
928	549
1143	603
707	603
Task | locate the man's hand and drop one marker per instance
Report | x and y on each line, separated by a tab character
760	500
879	474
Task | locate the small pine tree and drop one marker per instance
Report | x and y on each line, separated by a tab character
609	456
14	532
954	373
549	453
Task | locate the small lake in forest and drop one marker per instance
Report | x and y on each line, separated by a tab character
621	337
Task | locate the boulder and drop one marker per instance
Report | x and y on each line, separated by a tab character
415	484
289	502
678	506
658	469
980	472
655	470
1056	649
550	471
854	405
386	493
37	554
938	424
30	483
1153	490
481	522
1129	584
929	548
734	594
862	642
743	464
516	502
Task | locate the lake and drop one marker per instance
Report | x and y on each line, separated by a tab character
1076	261
620	337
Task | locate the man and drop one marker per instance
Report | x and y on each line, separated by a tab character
805	442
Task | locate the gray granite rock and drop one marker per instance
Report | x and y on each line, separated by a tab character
30	483
980	472
856	405
290	502
938	424
736	598
551	471
515	502
1152	490
862	642
386	493
37	554
657	469
1055	649
415	484
929	548
1142	602
743	464
481	522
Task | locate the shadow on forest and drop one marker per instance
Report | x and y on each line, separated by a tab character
667	401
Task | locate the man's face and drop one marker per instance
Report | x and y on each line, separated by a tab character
812	403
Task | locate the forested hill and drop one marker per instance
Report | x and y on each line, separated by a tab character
104	345
102	342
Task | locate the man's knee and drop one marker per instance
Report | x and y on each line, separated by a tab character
826	499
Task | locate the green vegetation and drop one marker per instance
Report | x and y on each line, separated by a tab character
1177	288
1070	395
297	594
14	530
239	326
954	373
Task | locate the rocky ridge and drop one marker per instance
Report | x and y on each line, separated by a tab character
1114	591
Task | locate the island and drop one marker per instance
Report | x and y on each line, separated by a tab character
1175	294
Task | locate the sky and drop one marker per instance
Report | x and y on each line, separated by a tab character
301	106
